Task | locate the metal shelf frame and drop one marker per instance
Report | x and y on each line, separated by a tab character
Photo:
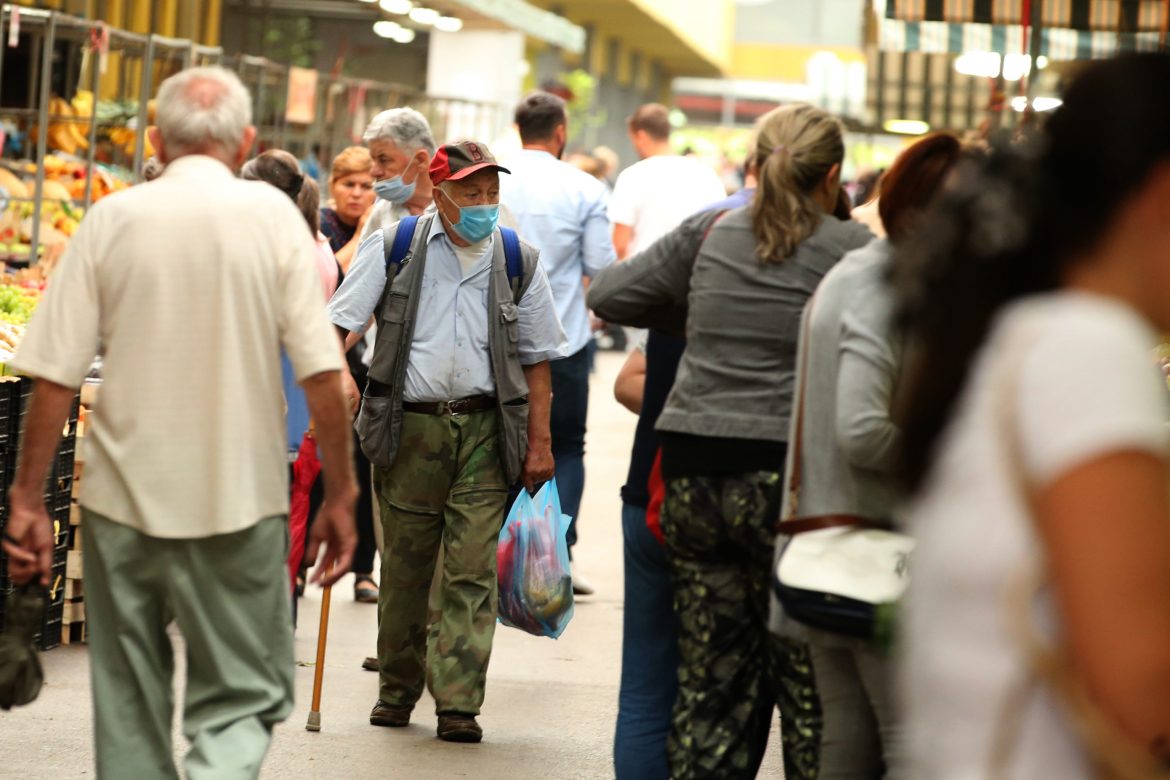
145	60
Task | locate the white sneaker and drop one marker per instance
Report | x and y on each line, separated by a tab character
581	586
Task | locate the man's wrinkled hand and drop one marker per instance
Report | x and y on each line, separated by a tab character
539	466
28	541
334	530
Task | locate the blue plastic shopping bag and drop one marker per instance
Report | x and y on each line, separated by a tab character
536	588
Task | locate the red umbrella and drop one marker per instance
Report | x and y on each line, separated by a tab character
305	470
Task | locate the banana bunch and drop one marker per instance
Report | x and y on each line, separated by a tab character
64	134
127	138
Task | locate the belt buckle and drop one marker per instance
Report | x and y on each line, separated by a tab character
450	408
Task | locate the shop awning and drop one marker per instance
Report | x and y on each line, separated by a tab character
1127	16
1056	44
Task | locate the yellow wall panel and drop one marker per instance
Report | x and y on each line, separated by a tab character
708	26
764	62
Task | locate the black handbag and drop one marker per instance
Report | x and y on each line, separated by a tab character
21	675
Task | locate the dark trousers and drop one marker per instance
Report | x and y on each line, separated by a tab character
649	655
363	513
570	406
733	671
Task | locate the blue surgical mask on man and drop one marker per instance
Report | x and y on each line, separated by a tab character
475	222
394	189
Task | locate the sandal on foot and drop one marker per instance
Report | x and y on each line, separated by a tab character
365	590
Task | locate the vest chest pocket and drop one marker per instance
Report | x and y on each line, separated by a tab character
510	322
394	311
391	332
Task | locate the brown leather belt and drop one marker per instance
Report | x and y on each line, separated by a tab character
806	524
478	403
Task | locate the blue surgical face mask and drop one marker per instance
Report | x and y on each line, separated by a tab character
394	189
475	222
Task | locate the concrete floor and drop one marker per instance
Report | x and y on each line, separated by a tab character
550	709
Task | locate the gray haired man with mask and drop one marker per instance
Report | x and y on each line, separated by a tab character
456	410
401	145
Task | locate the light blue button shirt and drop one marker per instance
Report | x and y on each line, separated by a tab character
561	210
449	357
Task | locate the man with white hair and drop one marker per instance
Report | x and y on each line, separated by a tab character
190	285
401	145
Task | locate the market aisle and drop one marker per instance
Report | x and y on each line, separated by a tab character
550	706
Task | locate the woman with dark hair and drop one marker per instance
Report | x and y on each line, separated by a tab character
742	279
848	366
1037	627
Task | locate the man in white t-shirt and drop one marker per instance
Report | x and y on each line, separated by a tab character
653	196
190	285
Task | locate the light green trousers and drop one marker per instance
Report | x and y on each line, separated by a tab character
229	595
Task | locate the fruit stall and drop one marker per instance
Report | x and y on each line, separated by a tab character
76	100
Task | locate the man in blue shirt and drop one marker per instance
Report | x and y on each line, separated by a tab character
455	410
561	210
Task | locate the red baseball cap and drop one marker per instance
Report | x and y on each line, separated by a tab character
453	162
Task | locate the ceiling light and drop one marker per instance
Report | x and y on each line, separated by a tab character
1016	66
396	6
1041	62
404	35
451	24
385	29
984	64
906	126
369	1
1038	104
424	15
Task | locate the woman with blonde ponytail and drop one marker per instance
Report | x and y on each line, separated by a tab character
736	283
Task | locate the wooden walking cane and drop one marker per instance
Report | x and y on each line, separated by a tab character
314	723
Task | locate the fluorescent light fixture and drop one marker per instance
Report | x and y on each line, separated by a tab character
984	64
906	126
404	35
1041	62
987	64
1038	104
385	29
368	1
449	24
395	6
424	15
1016	66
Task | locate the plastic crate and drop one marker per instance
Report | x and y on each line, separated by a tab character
49	636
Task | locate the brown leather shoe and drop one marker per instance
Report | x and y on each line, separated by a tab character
394	716
371	664
457	727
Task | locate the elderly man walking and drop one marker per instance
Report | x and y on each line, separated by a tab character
190	285
455	411
562	211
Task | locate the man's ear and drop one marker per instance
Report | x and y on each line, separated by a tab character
246	142
156	140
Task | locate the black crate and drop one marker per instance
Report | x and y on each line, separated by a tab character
49	636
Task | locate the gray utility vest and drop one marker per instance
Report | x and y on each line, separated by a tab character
379	423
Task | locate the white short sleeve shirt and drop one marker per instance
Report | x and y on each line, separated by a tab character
191	286
1083	385
653	196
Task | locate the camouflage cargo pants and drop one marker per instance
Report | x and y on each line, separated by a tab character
445	490
732	670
